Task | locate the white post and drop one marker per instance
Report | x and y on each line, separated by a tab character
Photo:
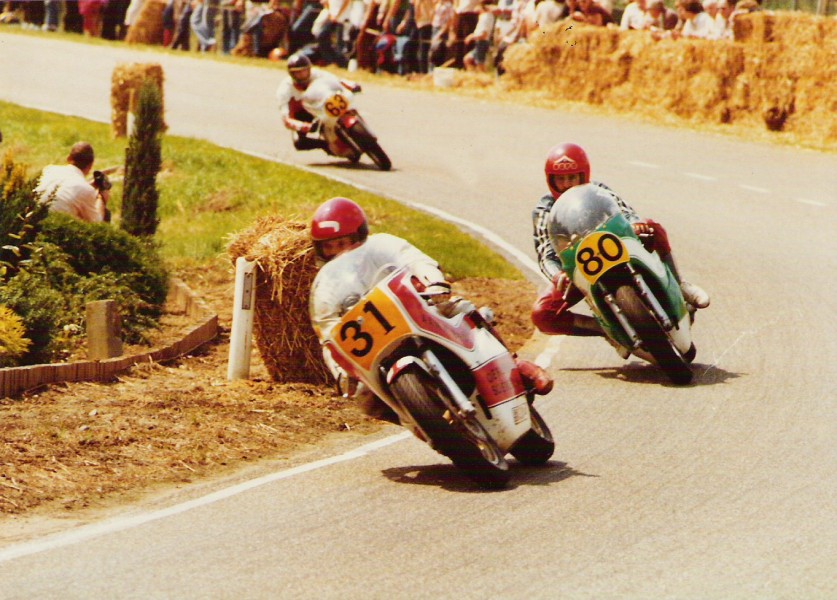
241	335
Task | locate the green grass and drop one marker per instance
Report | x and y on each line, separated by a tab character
208	193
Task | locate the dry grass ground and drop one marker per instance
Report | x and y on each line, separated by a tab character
74	449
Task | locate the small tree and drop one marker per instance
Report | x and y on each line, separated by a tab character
143	158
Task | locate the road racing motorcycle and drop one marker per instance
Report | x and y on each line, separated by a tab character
452	382
340	124
631	292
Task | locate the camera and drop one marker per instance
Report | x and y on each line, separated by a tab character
101	181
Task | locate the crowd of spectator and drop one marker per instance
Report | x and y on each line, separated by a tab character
397	36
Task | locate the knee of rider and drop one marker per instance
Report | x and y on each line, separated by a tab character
661	243
549	320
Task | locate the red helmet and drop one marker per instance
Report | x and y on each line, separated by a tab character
566	159
336	218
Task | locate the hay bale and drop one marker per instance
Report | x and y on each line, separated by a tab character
125	85
286	267
148	27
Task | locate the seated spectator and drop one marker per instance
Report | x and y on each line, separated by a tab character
588	11
480	38
660	18
423	16
635	16
442	31
66	189
696	23
713	10
509	28
548	12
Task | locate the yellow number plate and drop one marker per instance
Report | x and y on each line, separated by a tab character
368	327
598	253
336	105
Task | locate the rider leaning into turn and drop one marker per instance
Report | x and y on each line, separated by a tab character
355	259
567	166
289	95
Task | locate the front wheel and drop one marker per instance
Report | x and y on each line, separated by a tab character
367	142
537	445
654	338
465	442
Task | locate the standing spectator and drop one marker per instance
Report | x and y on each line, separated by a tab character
113	19
52	14
402	23
73	21
660	18
91	13
480	38
713	8
442	31
423	15
231	19
331	20
182	29
635	16
202	21
133	13
588	11
67	190
509	28
465	17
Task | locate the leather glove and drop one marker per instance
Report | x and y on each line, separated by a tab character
641	228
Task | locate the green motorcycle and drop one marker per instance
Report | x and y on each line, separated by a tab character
631	292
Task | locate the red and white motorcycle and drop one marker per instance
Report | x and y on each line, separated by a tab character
340	124
451	381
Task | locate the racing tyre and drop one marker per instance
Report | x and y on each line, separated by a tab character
536	446
367	142
466	443
654	338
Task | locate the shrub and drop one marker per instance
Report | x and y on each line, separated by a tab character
41	310
13	344
143	158
20	217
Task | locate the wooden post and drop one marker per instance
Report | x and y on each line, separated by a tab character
104	330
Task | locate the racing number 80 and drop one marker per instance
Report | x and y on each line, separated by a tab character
591	260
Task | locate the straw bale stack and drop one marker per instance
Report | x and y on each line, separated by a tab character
285	270
125	85
779	73
148	28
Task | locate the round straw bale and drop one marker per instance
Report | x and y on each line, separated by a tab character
286	267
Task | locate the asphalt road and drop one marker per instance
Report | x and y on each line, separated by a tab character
726	488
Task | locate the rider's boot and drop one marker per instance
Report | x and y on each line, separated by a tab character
534	377
303	142
693	294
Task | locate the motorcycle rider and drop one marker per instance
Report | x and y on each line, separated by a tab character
341	240
567	166
301	74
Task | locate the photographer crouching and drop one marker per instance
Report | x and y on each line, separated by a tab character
67	190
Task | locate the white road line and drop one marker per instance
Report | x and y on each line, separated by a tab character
87	532
93	530
701	176
753	188
639	163
811	202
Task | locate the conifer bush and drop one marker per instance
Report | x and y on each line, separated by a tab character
143	158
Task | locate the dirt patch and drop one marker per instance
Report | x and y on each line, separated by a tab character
88	446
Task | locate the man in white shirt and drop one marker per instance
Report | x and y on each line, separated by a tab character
67	190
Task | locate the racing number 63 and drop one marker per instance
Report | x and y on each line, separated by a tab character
598	253
336	105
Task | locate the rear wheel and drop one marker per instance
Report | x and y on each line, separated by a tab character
537	445
370	146
465	442
652	335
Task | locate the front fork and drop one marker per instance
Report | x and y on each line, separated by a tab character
650	301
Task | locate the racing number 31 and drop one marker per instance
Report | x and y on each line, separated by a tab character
354	330
599	253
